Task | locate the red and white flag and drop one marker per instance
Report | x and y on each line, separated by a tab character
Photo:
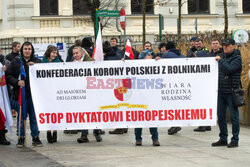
128	50
4	101
98	51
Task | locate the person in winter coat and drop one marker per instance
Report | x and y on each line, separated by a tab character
114	45
230	68
146	50
81	55
172	52
15	51
192	49
12	75
87	44
162	49
153	130
69	58
216	50
109	52
51	56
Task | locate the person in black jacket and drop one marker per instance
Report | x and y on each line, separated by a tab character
162	49
12	75
11	56
15	51
201	50
230	67
87	44
192	49
2	58
172	52
216	50
114	45
109	52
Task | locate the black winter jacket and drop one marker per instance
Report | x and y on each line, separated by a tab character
191	51
11	56
230	65
2	59
111	55
214	54
12	75
70	54
117	51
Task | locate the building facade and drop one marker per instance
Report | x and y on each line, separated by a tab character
49	21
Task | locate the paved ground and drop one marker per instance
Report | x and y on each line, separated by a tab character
187	149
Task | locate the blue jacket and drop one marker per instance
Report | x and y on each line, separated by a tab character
230	65
173	53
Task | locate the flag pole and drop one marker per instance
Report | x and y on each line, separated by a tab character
25	138
19	127
124	47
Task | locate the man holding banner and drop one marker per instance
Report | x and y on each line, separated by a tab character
230	67
18	77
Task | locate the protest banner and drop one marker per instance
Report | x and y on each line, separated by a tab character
117	94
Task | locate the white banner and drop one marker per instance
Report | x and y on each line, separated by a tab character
117	94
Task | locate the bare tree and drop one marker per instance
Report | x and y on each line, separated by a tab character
179	21
99	5
144	21
180	3
144	5
225	19
94	5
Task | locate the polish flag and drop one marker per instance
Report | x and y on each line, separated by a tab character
4	101
128	50
98	51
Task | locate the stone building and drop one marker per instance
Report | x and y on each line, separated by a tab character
48	21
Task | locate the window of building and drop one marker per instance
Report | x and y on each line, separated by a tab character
198	6
80	7
48	7
136	6
246	6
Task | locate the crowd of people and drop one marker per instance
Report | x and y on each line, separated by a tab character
228	57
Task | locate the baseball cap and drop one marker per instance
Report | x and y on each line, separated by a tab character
228	41
193	38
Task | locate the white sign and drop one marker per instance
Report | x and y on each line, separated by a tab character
40	49
240	36
117	94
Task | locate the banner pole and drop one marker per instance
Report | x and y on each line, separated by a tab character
19	127
25	138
